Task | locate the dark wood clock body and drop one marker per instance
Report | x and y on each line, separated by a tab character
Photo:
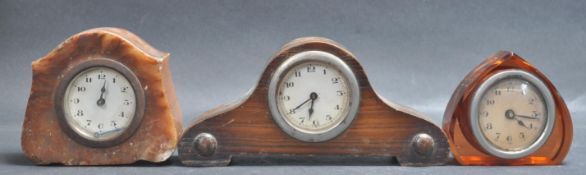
245	129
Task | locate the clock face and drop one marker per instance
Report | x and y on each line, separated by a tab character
99	104
313	96
513	113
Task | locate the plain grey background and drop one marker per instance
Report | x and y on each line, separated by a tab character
414	51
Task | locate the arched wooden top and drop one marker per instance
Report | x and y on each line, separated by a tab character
245	128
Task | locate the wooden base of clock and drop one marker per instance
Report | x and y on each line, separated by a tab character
456	124
44	142
245	130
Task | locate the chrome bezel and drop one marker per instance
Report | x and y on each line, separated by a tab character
74	131
330	60
548	100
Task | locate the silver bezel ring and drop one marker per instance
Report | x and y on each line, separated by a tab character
548	100
326	58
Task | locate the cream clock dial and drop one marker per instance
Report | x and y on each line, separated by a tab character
513	114
313	96
100	103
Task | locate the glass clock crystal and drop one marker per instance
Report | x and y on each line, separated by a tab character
313	96
506	112
102	102
512	114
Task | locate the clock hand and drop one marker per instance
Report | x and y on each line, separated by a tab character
304	102
102	101
520	122
301	104
310	110
527	117
510	114
98	134
312	97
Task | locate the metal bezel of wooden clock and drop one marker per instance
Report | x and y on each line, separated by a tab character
330	60
545	94
72	130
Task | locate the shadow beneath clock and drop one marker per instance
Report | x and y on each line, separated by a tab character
19	159
16	159
323	161
172	161
272	160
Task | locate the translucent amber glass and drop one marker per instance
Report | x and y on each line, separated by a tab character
456	120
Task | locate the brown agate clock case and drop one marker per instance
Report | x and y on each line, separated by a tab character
506	112
312	105
94	101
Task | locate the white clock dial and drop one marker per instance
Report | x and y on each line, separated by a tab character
313	97
512	114
99	103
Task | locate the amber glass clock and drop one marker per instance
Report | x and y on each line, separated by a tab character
104	96
506	112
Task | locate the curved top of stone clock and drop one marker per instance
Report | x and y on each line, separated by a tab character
44	142
378	129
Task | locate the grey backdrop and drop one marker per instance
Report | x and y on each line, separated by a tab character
414	51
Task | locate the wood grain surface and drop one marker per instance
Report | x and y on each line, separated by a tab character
245	129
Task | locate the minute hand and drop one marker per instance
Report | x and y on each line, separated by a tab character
527	117
301	104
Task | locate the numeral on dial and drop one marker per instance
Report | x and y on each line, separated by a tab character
79	113
286	98
289	84
315	123
310	68
335	80
124	89
329	117
80	89
488	126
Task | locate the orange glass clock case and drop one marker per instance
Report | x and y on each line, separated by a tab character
456	122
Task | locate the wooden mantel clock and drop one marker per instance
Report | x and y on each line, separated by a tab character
102	97
506	112
312	105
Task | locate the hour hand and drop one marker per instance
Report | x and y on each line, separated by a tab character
102	101
312	97
520	122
